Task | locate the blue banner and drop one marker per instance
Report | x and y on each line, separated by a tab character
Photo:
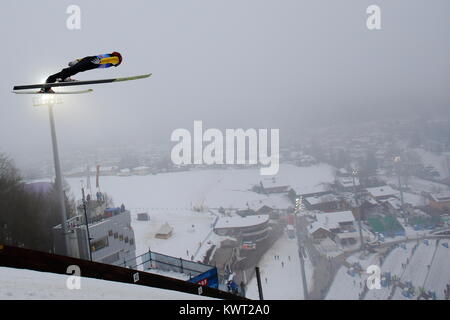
209	278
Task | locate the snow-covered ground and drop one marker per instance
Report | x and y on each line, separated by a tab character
283	282
27	284
345	287
170	197
439	275
416	270
185	239
393	264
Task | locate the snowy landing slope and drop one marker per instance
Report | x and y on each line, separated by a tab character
33	285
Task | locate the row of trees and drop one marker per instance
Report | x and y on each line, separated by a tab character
26	217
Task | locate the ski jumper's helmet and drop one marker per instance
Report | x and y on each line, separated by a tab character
118	55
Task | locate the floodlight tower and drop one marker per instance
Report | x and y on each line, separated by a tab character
299	208
354	174
50	101
397	161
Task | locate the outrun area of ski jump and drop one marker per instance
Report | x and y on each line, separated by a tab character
34	285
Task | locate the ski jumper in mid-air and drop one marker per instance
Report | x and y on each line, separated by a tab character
106	60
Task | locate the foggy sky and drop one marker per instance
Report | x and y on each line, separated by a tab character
232	64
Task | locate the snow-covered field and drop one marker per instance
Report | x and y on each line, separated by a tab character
228	188
29	285
283	282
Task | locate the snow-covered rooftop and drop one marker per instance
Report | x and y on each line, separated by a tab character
241	222
382	191
394	202
141	168
279	201
347	181
331	220
307	189
322	199
441	197
274	182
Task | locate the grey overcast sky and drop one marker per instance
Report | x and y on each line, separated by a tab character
231	63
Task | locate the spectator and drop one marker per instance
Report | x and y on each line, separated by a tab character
242	289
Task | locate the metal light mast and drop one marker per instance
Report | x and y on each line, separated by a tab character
299	206
397	166
354	174
50	101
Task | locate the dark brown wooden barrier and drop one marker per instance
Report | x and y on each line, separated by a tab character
21	258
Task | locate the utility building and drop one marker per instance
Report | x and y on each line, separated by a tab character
111	236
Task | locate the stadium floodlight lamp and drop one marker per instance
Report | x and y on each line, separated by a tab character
46	100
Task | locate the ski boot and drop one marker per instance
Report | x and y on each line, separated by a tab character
69	79
46	90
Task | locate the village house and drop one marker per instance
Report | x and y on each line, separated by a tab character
270	186
340	227
347	184
392	205
296	192
440	201
382	193
325	202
